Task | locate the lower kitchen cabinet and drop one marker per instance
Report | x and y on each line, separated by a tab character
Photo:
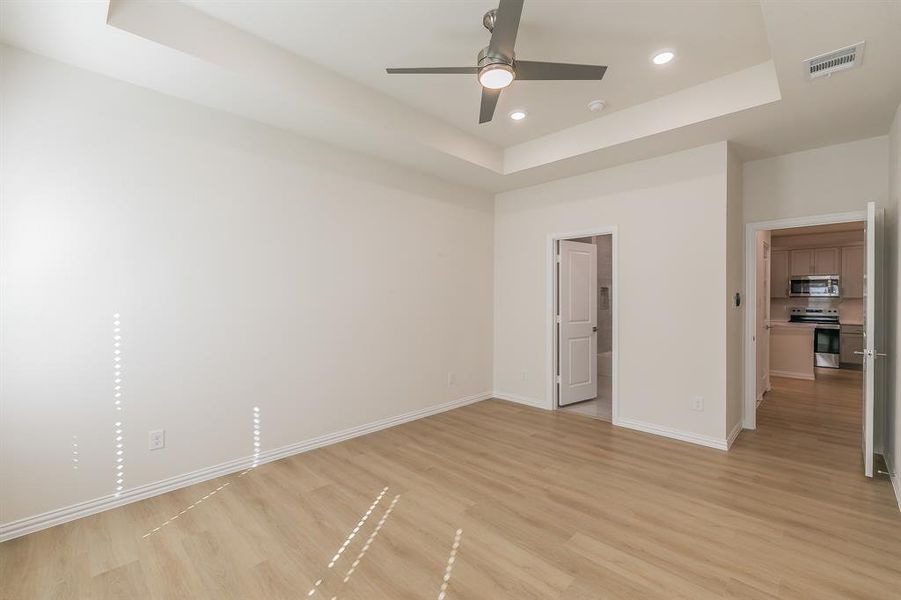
851	342
791	350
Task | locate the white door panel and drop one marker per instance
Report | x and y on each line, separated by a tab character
763	319
577	329
872	361
579	368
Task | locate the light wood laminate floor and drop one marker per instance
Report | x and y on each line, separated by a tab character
499	501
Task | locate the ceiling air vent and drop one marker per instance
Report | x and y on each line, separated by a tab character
837	60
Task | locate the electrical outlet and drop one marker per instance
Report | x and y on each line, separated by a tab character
451	378
157	439
525	375
697	403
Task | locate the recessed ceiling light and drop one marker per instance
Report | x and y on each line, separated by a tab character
518	115
496	76
663	57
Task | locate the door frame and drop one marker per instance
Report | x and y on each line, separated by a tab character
749	401
551	312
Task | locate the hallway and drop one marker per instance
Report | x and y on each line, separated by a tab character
814	422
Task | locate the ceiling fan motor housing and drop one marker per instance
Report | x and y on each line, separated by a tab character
487	57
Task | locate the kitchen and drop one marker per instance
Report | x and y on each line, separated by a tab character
816	299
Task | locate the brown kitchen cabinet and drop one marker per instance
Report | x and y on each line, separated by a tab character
801	262
852	272
826	261
815	261
851	341
779	273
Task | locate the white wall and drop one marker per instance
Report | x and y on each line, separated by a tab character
832	179
250	267
892	451
671	218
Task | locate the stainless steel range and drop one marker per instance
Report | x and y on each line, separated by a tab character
827	334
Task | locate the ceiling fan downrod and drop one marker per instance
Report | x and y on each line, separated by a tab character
489	19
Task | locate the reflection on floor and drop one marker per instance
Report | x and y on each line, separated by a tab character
521	503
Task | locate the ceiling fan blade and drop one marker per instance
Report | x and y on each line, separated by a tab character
436	70
489	102
506	25
534	70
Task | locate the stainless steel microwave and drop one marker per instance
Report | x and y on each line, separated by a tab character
814	286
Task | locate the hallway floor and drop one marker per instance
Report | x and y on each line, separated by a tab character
597	408
820	418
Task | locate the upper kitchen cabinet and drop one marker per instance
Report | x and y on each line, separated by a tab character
852	272
819	261
826	261
802	262
779	274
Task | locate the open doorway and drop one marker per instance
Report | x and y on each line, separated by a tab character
812	330
584	328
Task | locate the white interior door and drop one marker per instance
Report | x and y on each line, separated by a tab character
578	322
872	363
763	320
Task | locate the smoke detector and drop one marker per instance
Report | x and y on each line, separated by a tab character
825	65
596	106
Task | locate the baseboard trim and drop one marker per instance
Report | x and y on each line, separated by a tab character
733	435
793	375
534	402
27	525
676	434
896	480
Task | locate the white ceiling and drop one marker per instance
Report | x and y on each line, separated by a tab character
316	68
359	39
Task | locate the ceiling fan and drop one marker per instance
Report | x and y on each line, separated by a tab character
497	66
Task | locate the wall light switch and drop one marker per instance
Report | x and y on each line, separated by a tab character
157	439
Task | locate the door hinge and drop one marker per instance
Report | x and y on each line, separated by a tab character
558	379
558	318
559	258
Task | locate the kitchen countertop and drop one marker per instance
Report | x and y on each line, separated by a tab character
777	323
793	325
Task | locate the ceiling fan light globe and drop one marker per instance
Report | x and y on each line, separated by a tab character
496	77
663	57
